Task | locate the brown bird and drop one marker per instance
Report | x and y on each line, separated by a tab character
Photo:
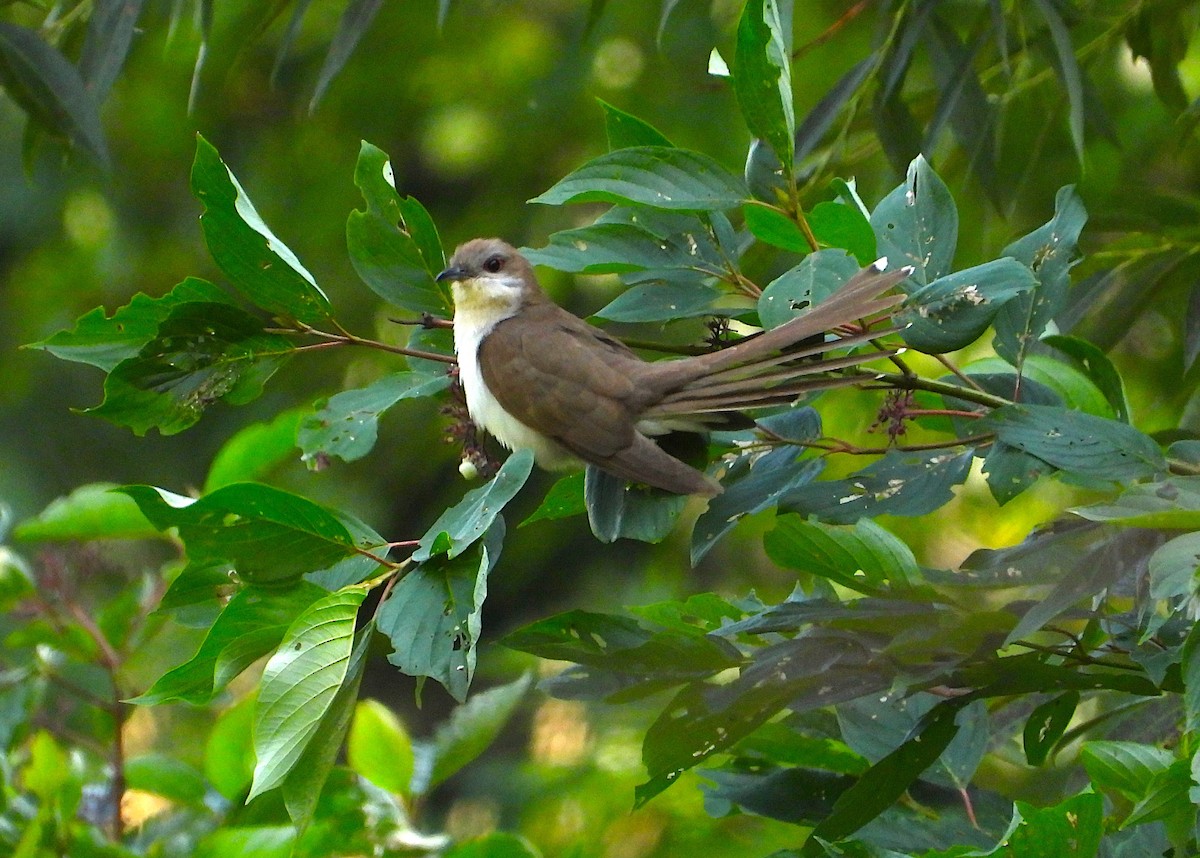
537	377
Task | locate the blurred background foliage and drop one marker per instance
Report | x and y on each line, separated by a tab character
482	105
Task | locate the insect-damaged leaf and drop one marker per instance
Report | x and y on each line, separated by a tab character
917	224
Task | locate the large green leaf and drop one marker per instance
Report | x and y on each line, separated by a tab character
661	302
92	511
260	266
655	176
201	354
1070	829
917	224
1096	365
267	534
249	627
1049	251
104	341
299	684
379	748
607	248
762	76
49	88
625	130
618	511
953	311
1076	443
866	558
347	424
458	527
837	225
1125	768
472	727
255	450
393	243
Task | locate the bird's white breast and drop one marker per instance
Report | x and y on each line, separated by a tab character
471	325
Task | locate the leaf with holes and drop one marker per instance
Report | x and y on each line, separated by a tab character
202	353
1046	725
794	291
299	685
762	77
260	266
917	224
347	424
655	176
953	311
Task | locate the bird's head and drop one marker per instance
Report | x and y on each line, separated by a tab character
488	275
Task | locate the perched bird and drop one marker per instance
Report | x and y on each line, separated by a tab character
537	377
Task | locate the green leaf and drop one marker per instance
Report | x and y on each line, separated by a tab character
105	341
256	841
1126	768
608	248
92	511
497	844
229	752
202	353
261	267
1077	443
762	77
1046	725
433	617
565	499
1189	670
917	224
254	450
458	527
661	302
837	225
249	627
1166	795
1049	251
379	747
1173	503
393	243
167	776
865	559
1095	364
654	176
47	87
1068	70
953	311
625	130
299	684
269	535
771	225
818	121
472	727
796	290
109	36
347	424
618	511
1073	388
898	484
1070	829
355	21
1173	567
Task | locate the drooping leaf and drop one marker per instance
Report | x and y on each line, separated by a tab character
254	450
109	36
1077	443
202	353
898	484
1095	364
762	77
617	510
347	424
249	627
953	311
268	535
1049	251
288	39
462	524
104	341
92	511
865	558
433	618
472	727
393	243
48	87
625	130
299	684
917	224
1067	67
355	21
814	279
259	265
655	176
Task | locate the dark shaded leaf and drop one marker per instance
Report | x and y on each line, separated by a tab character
1049	251
347	424
461	525
1161	36
1095	364
288	38
762	77
654	176
1068	70
917	224
899	484
820	118
260	266
202	353
355	21
625	129
393	244
953	311
48	88
617	510
1010	471
109	36
299	685
1077	443
105	341
796	795
1046	726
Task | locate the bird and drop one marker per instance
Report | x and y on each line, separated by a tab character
537	377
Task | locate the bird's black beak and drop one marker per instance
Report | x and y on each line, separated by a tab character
454	272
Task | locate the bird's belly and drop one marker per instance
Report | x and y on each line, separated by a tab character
487	413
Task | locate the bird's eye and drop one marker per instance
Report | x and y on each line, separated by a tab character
493	264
